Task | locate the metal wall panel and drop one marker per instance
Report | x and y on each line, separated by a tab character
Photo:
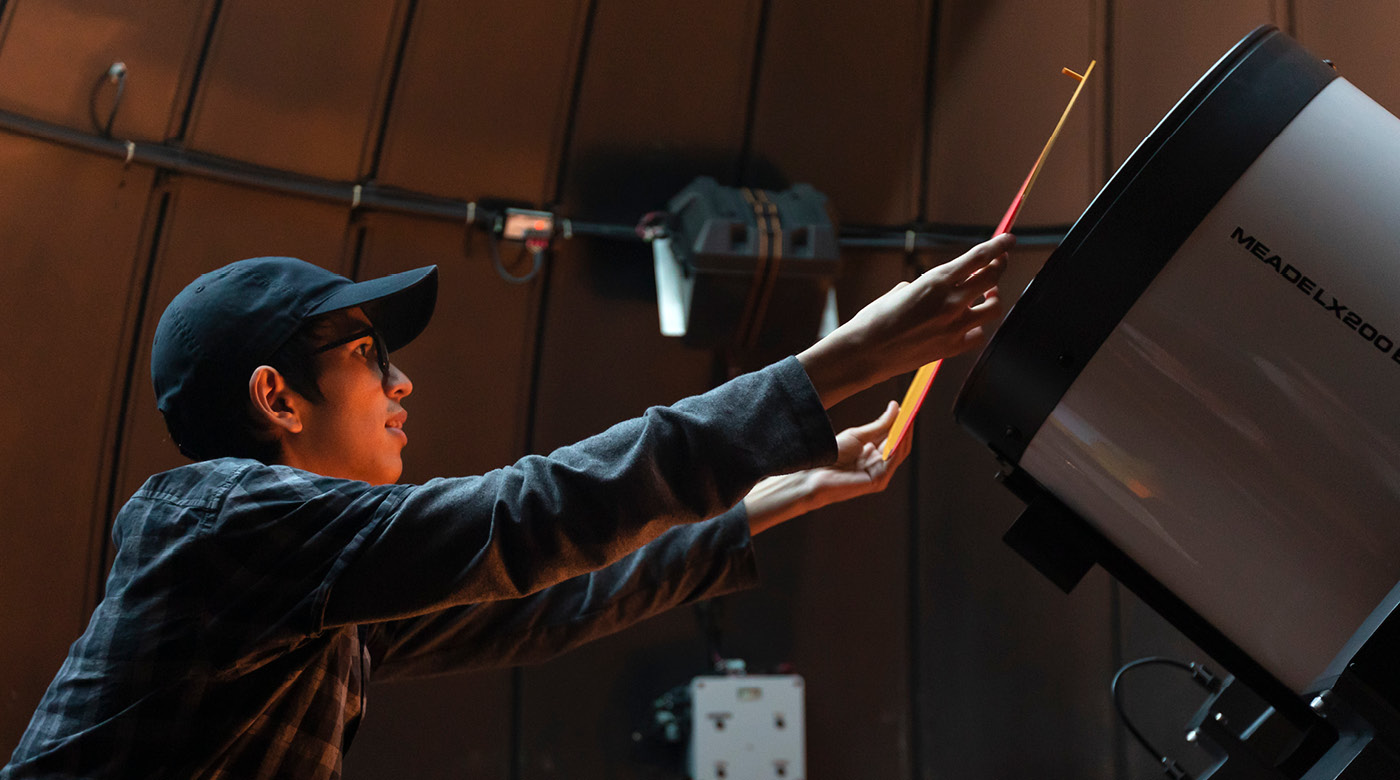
1012	671
441	728
663	99
1160	49
1360	38
835	595
1008	670
832	603
603	356
66	307
471	371
579	711
819	592
998	92
297	86
481	106
840	104
208	225
603	361
53	53
641	133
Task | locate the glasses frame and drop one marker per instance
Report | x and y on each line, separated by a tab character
381	352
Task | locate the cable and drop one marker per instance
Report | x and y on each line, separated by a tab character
708	614
1203	676
651	226
115	74
372	196
537	256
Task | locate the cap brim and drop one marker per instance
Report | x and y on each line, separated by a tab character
400	305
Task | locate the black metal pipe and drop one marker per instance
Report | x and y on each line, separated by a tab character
417	204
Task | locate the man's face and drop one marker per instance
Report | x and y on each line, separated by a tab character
356	432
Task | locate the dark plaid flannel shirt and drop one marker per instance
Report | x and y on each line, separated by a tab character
248	605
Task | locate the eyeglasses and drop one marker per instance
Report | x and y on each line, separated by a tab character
381	353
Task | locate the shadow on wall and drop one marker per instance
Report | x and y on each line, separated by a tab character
620	184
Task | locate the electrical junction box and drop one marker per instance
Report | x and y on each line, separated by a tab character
748	727
756	268
521	224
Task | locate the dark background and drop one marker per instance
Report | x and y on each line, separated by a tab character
929	649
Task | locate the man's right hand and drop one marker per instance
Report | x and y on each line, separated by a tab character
947	310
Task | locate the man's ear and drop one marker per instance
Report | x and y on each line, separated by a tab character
274	402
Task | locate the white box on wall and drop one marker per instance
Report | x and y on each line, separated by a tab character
747	727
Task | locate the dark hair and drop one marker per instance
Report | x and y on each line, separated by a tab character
234	428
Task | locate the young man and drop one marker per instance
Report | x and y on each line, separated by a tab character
255	591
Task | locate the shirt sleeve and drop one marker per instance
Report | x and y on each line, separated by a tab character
293	554
685	564
515	531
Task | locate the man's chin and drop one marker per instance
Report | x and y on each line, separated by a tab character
391	473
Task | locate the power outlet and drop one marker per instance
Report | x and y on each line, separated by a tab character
748	727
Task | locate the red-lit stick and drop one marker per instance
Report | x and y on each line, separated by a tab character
923	380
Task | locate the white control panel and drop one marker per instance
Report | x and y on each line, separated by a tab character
747	727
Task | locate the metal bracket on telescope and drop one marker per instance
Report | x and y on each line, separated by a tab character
1063	547
1051	537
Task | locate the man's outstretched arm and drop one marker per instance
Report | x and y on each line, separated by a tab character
683	565
516	531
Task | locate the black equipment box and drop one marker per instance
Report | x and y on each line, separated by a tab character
761	263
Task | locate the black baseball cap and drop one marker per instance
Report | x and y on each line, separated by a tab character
230	321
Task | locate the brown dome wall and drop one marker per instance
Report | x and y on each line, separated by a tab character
930	650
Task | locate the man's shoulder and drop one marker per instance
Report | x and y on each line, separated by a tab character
209	483
233	495
201	484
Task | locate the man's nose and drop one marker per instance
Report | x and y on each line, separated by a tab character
397	384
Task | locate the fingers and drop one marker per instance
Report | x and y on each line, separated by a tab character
873	466
972	275
879	427
985	277
880	469
990	304
976	321
974	337
908	326
976	258
975	288
982	281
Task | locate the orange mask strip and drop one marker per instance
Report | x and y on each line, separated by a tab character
923	380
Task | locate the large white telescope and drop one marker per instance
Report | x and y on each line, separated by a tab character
1201	388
